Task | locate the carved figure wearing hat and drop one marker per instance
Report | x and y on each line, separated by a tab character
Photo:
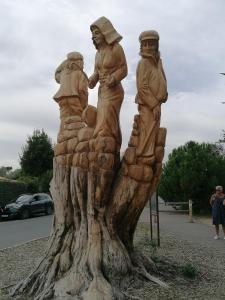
151	92
72	95
110	70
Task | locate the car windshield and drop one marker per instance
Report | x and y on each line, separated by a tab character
22	199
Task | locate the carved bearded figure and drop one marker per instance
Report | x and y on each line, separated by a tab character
110	69
151	92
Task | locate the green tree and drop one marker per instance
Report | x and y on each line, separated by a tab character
4	171
222	139
14	174
191	172
32	183
37	154
44	182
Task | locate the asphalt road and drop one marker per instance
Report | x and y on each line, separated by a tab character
15	232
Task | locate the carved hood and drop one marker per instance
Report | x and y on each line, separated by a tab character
107	29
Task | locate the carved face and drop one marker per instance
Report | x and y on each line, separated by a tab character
75	64
97	37
149	46
80	63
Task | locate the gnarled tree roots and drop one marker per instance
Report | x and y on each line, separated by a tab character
90	254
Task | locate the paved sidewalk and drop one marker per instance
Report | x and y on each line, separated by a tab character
176	223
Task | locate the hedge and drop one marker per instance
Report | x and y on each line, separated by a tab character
10	190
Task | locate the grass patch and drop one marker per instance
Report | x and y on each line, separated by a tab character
153	251
189	271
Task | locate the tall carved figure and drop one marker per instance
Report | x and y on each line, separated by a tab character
98	199
110	69
142	162
152	92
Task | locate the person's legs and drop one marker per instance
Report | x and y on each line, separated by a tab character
217	232
223	226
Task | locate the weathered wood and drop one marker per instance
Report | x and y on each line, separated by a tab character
98	198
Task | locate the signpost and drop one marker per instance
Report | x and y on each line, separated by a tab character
154	217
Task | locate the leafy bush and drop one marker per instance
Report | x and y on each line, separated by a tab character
5	170
191	172
14	174
37	154
189	270
31	183
153	250
10	190
44	181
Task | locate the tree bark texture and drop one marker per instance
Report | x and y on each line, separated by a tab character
98	200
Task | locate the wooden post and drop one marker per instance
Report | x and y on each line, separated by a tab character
190	211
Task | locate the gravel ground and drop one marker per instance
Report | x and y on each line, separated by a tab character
171	259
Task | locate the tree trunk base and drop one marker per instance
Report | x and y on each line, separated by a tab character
83	260
98	201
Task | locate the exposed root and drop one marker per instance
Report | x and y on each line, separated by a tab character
99	289
140	260
128	296
47	294
140	268
154	279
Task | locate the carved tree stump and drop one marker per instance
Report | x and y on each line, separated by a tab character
98	201
98	196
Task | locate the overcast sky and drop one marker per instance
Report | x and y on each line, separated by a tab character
36	36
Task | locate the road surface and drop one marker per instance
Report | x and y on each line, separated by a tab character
15	232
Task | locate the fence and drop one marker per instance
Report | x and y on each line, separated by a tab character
176	205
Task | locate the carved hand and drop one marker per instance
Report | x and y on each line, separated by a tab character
110	81
91	82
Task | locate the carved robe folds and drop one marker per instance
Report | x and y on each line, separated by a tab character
152	91
110	63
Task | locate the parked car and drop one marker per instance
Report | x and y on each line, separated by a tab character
26	206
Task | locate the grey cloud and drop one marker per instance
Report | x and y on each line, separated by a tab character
37	35
9	152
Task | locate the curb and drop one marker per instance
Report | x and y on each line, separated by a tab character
21	244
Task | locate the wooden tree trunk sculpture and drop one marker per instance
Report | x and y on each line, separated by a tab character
99	197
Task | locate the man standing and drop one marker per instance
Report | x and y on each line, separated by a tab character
151	93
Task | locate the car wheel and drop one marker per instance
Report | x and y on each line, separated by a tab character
49	210
25	214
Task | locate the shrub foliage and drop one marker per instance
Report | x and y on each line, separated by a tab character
191	172
37	154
